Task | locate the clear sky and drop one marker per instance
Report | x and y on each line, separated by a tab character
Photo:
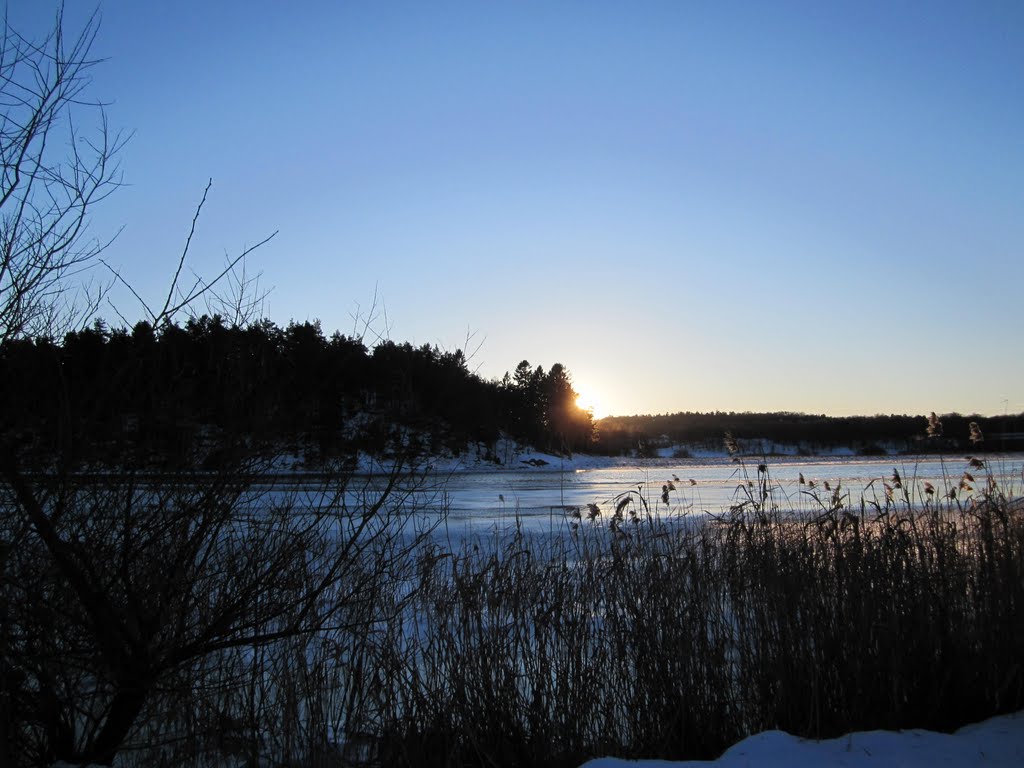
803	206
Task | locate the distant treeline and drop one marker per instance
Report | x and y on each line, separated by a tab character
166	388
163	391
868	434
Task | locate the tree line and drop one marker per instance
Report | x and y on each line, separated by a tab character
625	434
161	390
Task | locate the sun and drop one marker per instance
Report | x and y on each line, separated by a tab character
588	401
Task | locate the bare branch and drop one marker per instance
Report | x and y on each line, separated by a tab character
51	174
126	284
184	253
201	287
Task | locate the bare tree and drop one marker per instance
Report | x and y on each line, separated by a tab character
119	580
51	174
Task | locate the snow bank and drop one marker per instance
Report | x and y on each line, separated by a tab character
995	743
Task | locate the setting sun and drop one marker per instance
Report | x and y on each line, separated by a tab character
587	401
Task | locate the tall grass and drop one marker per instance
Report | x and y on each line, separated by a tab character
644	635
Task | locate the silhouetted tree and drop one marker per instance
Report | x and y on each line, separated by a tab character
569	425
46	195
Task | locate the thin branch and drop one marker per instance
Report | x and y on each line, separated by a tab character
126	284
184	253
201	288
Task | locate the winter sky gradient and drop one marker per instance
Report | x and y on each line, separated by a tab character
797	206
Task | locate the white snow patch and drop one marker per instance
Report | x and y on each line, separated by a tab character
995	743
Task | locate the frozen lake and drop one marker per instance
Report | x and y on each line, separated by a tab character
542	498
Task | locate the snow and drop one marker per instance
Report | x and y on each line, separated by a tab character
995	743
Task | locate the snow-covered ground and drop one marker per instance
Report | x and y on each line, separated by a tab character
995	743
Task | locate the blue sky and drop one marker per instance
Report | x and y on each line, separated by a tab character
804	206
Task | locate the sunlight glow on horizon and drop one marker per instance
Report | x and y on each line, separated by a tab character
588	401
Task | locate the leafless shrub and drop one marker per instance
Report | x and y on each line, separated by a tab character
129	599
51	174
